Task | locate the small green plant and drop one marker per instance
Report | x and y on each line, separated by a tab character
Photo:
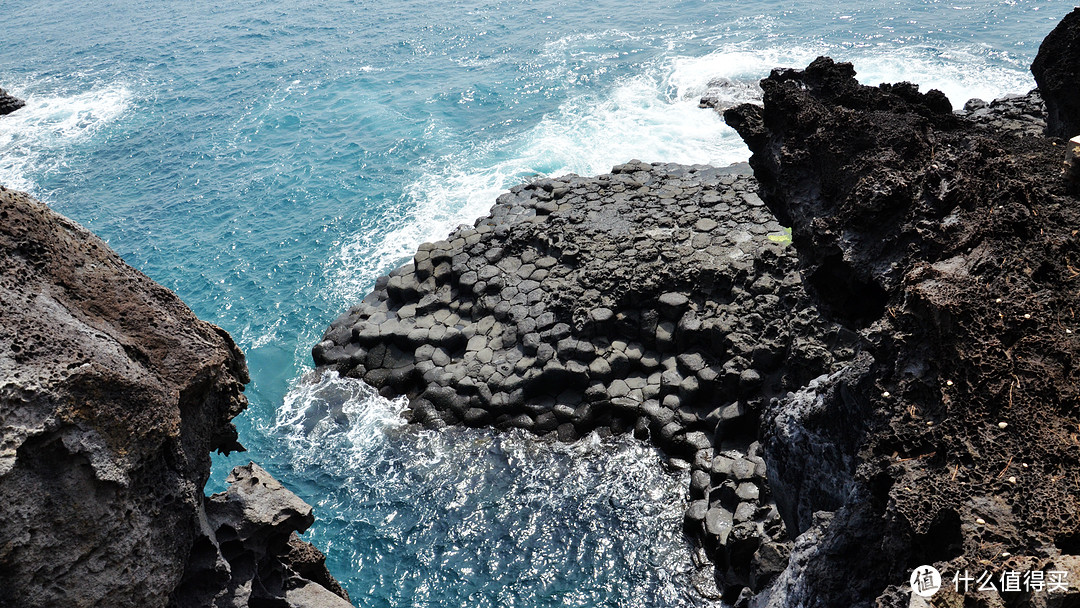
783	239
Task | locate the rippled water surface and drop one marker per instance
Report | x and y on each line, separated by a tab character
267	160
467	517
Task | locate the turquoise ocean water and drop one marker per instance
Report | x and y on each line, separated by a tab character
267	160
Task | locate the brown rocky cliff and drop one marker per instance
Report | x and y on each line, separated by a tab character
949	245
112	395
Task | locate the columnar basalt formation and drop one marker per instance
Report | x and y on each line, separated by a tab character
952	439
658	299
112	395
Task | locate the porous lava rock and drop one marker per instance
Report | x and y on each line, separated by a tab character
953	439
112	395
1057	72
659	299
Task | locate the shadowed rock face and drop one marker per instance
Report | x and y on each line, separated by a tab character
112	395
1057	71
249	554
953	438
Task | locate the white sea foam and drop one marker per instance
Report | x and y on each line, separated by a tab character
653	116
38	138
689	76
465	501
638	118
324	405
961	72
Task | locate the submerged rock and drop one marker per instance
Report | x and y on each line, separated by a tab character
112	395
950	247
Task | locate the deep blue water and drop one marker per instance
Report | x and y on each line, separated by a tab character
267	160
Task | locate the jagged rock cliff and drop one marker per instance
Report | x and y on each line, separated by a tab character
951	248
112	395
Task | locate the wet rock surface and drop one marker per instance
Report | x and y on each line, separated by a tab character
9	103
951	248
112	395
658	299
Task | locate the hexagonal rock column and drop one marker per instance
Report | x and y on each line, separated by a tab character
658	299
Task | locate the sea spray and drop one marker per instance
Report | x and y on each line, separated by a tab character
37	139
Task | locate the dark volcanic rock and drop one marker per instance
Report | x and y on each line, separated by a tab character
1057	71
659	299
1012	114
250	554
8	103
112	395
952	248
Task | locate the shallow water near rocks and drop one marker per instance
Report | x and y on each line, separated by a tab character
268	160
487	518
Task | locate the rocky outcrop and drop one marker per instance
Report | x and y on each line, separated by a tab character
112	395
1012	114
722	93
659	299
249	554
9	103
1057	72
951	248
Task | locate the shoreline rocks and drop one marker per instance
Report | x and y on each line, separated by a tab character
249	553
112	395
948	246
9	103
1057	74
1012	114
658	299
